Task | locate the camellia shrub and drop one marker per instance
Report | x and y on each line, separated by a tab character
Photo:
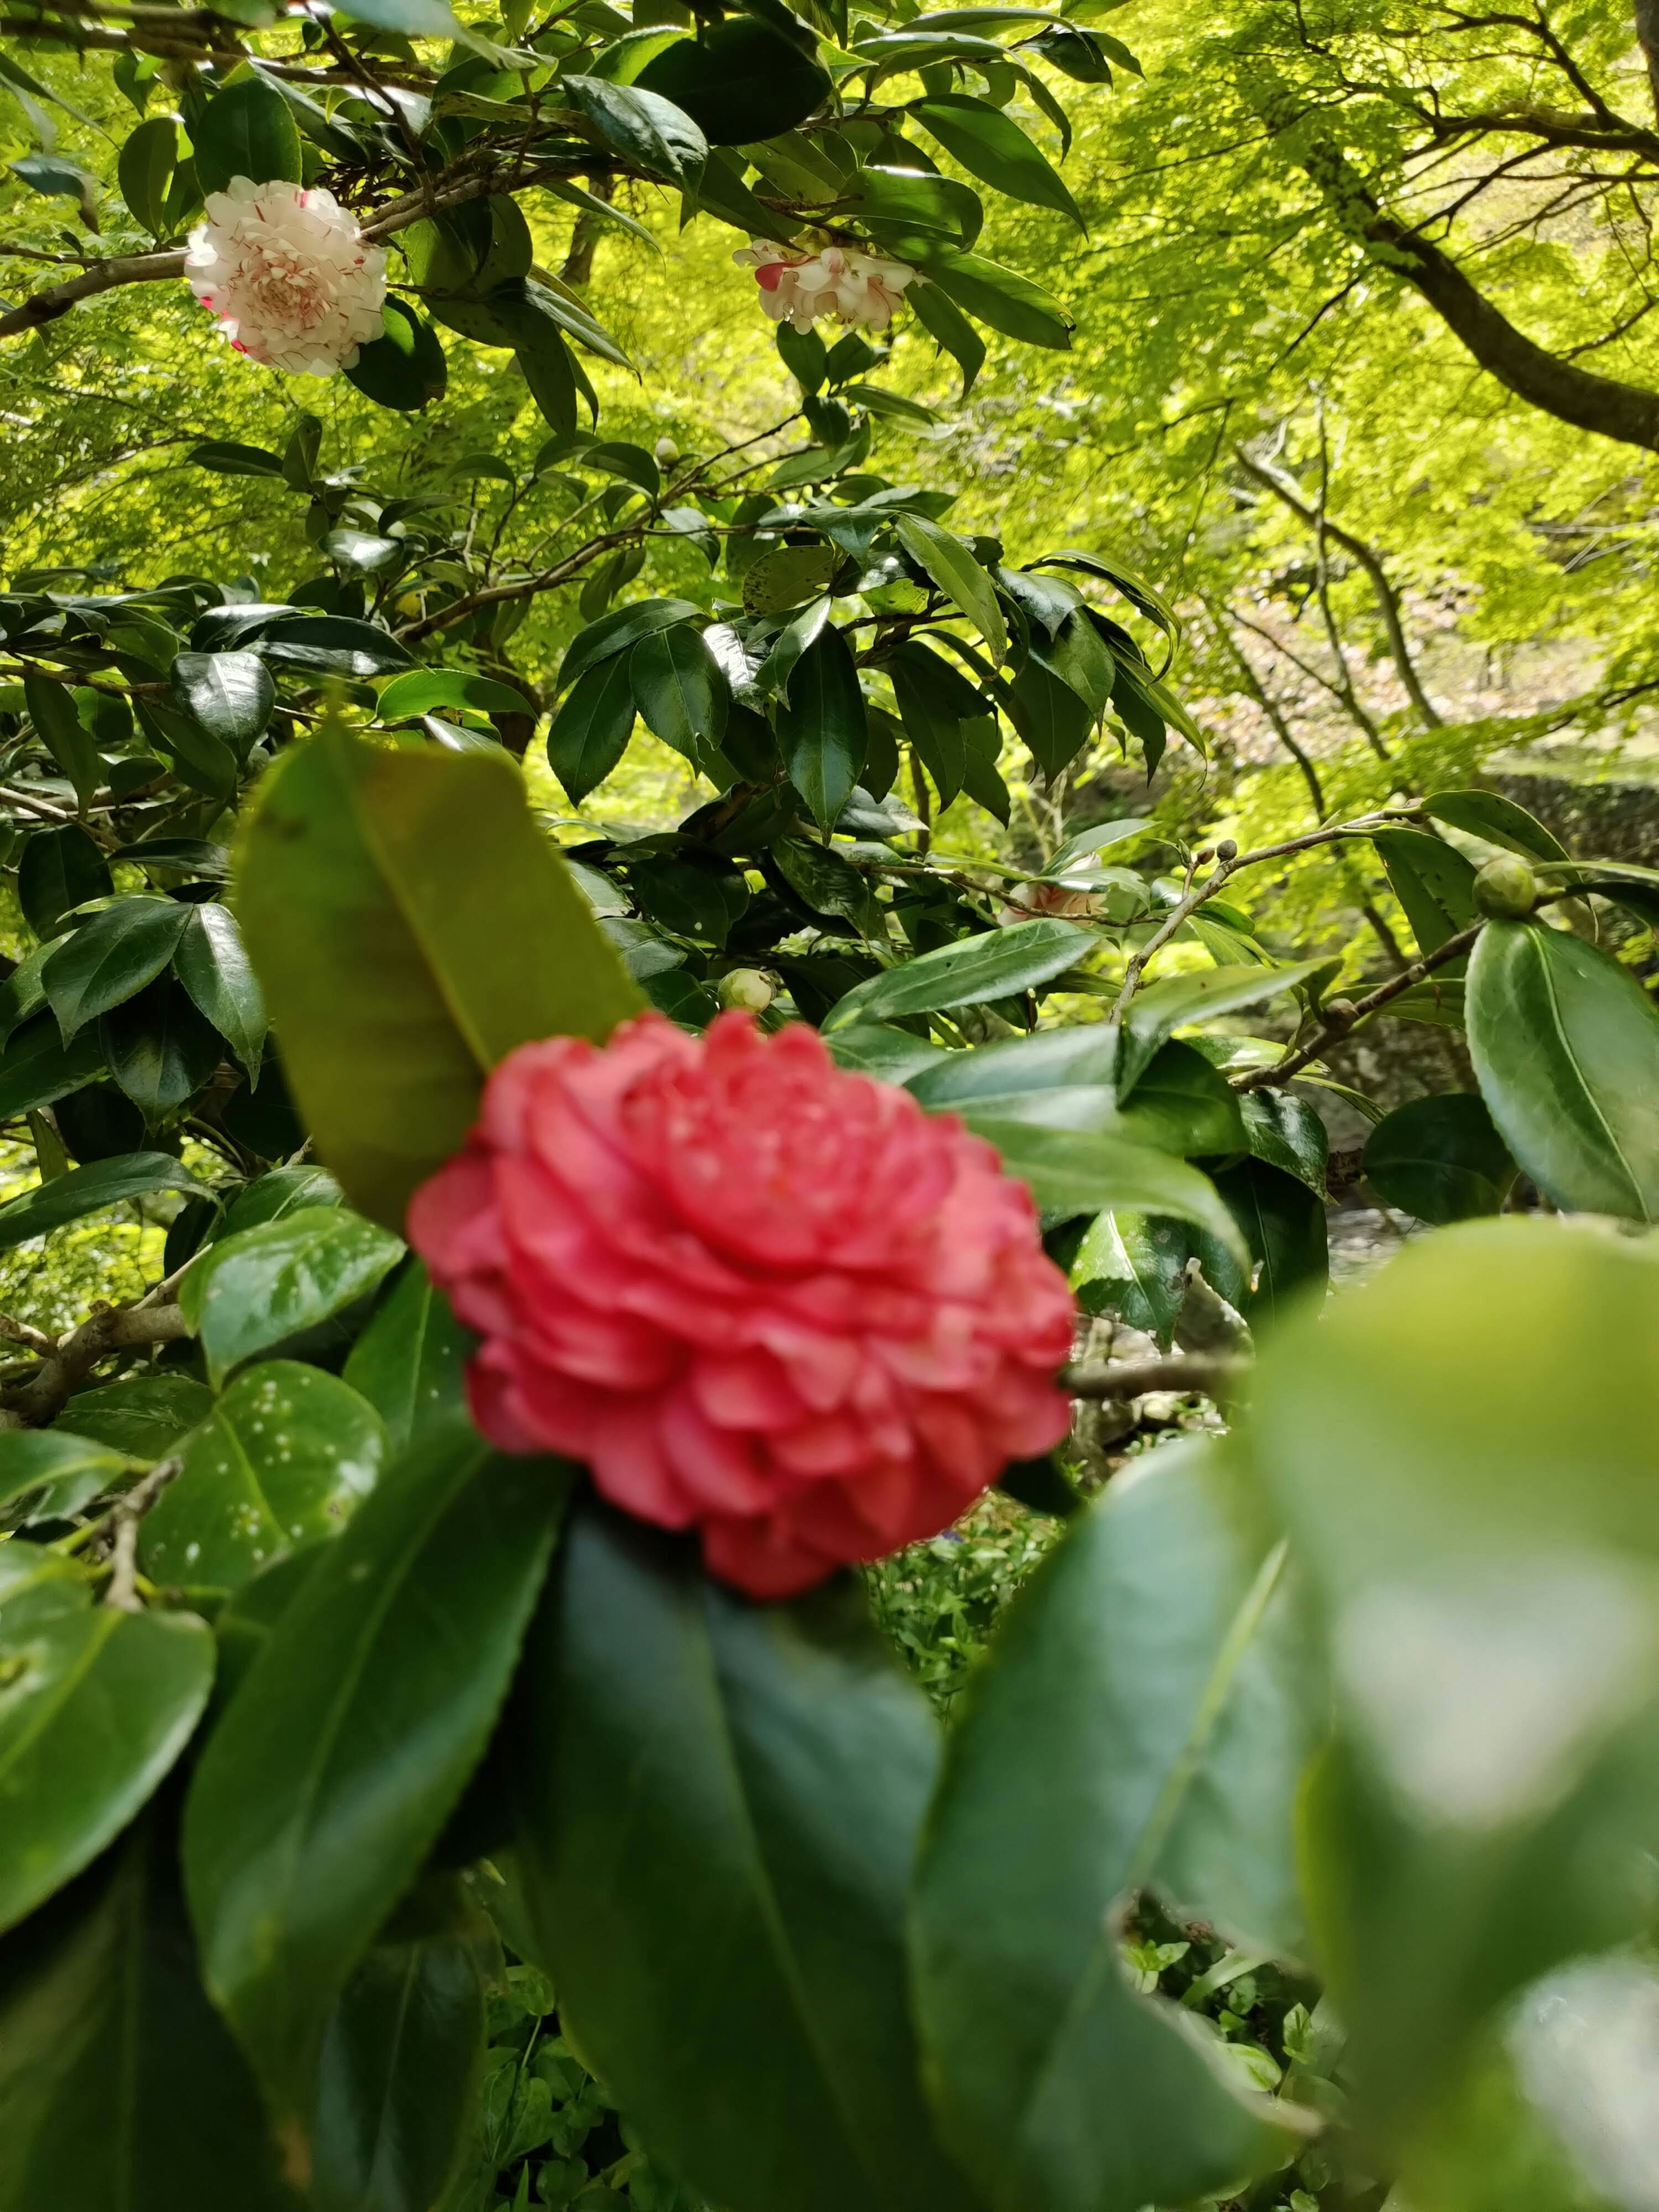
444	1737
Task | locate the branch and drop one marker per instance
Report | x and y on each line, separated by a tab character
43	1396
1624	413
1285	488
128	1512
1213	1375
1355	1011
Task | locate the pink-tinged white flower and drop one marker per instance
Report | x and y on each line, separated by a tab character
287	272
760	1296
798	288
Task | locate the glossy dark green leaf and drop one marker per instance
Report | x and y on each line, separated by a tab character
226	458
1052	718
196	755
1047	1059
95	1706
995	965
1284	1224
1089	1170
1488	814
1133	1267
408	1362
59	870
401	2063
615	632
158	1047
212	964
119	2085
821	726
110	958
1465	1457
1137	1724
1008	302
646	127
680	689
718	1807
1439	1158
37	1067
1182	1104
87	1190
1433	882
739	80
63	734
1565	1047
939	315
144	1418
377	891
23	993
405	368
426	689
144	170
991	146
260	1286
1183	1001
1287	1133
589	733
333	645
284	1190
823	879
246	130
230	693
949	564
287	1456
352	1736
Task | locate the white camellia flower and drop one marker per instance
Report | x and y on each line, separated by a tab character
798	288
287	274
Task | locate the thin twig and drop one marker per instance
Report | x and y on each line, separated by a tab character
128	1512
1259	1079
1214	1375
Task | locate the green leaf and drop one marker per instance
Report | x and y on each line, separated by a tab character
405	368
142	1418
991	146
942	321
1182	1104
1287	1134
246	130
1434	883
60	870
615	632
1156	1012
231	694
87	1190
408	1362
680	689
589	733
1465	1458
30	1457
1008	302
1284	1224
400	2066
333	645
226	458
63	734
1133	830
158	1048
739	80
22	992
717	1805
212	964
1498	820
1073	1171
259	1286
958	575
1565	1047
98	1705
1051	717
1047	1060
110	958
286	1456
1133	1266
37	1068
1136	1724
994	965
350	1739
821	726
424	689
106	2039
1439	1158
376	890
646	128
283	1191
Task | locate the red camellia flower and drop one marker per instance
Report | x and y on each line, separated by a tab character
757	1295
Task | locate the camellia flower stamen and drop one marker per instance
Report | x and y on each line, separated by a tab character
798	288
288	275
760	1296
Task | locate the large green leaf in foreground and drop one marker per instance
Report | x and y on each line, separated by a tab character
410	925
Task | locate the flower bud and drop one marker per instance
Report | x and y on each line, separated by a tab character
1227	849
745	988
1204	855
1506	889
667	452
1339	1013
